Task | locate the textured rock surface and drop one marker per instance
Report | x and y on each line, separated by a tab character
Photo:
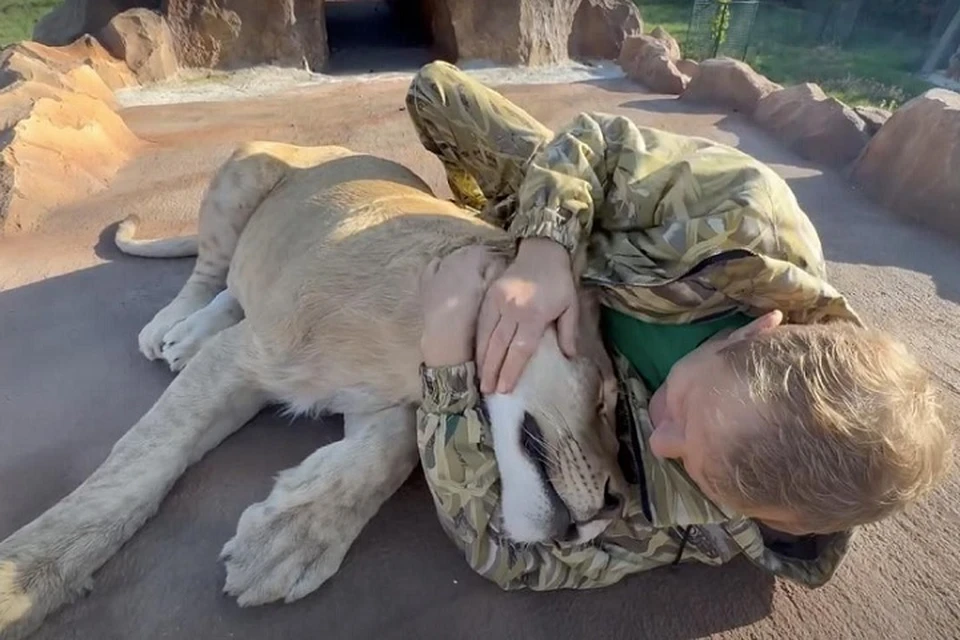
534	32
601	26
60	138
142	39
673	47
817	126
729	83
648	60
874	117
688	67
56	146
84	67
230	34
74	18
437	15
912	165
235	33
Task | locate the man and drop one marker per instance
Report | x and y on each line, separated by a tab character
757	415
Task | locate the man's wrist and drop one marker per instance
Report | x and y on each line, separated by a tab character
449	389
542	245
446	359
436	353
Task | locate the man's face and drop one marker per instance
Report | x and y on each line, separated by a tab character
699	411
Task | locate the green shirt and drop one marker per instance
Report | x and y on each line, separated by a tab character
653	349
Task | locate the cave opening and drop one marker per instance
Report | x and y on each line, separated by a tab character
367	36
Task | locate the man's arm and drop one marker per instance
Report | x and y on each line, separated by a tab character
461	470
455	446
564	192
568	180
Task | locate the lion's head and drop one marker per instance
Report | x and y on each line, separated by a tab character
555	441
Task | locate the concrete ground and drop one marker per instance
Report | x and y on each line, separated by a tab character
72	381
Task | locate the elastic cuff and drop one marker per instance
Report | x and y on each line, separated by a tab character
547	224
450	389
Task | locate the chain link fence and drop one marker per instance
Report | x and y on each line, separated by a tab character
731	27
862	51
721	28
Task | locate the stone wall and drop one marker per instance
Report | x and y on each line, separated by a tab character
228	34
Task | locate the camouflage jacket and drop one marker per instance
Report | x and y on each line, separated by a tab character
671	229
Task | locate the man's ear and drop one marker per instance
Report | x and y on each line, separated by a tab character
763	324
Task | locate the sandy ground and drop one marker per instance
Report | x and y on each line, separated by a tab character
216	86
71	382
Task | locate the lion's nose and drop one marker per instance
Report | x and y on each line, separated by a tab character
611	503
562	524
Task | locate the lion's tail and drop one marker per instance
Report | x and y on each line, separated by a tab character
127	242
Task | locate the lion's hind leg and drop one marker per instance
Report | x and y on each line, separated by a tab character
186	338
235	193
51	560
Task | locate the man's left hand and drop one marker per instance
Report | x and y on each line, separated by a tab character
536	290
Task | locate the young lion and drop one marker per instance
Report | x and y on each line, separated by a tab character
304	293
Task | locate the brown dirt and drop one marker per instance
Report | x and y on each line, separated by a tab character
71	382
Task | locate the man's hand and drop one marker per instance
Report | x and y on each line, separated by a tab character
451	290
536	290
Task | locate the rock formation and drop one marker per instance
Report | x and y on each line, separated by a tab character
601	26
142	39
60	137
729	83
912	165
229	34
815	125
650	61
874	117
235	33
74	18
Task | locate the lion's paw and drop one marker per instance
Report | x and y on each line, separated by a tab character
285	553
151	337
185	339
30	590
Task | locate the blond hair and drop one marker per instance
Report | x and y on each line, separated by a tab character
854	430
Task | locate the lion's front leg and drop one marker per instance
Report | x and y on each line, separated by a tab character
292	542
51	560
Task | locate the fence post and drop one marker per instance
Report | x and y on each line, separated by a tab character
948	38
943	19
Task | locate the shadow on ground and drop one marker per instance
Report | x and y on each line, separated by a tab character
403	579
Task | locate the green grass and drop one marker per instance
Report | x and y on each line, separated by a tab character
876	67
674	18
17	18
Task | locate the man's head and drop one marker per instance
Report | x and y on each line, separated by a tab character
809	429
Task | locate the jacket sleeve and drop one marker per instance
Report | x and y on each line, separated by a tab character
567	181
457	455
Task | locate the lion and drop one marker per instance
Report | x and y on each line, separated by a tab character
305	294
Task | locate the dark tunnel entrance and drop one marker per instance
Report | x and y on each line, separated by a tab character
366	36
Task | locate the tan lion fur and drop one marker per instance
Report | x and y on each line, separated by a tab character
304	293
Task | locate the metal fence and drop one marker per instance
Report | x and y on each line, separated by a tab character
721	28
735	28
852	48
